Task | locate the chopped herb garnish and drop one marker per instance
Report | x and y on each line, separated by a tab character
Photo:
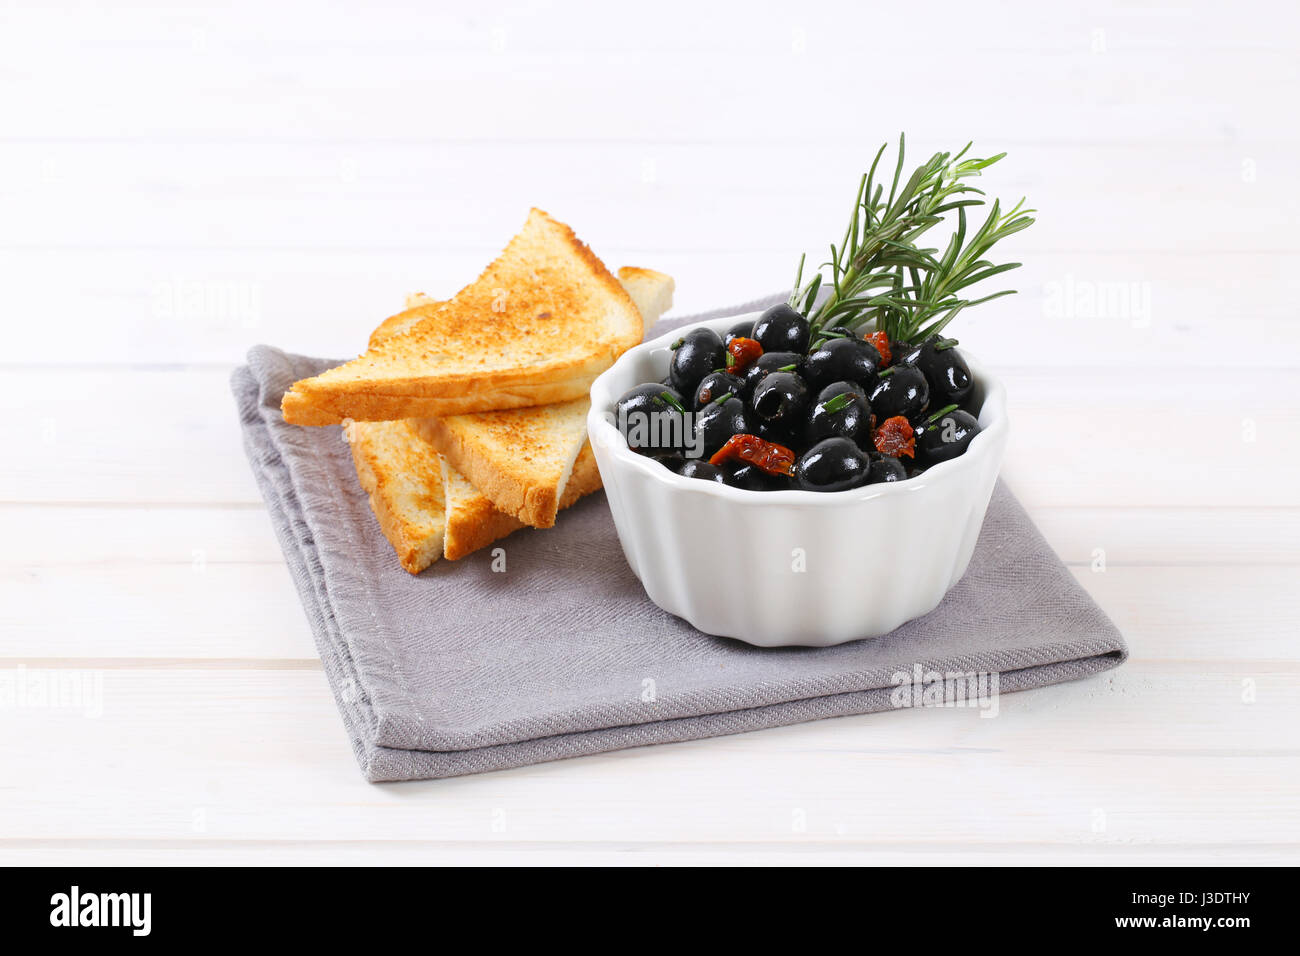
941	413
678	344
838	403
787	368
722	398
671	399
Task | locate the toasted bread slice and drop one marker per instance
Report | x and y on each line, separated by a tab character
425	508
464	519
403	478
402	321
474	522
521	459
536	327
651	291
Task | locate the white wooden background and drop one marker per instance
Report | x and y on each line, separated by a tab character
178	182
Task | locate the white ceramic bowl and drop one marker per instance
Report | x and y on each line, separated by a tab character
792	567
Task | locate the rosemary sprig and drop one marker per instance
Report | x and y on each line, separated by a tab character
880	275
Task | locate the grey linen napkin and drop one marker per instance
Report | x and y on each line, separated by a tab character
463	669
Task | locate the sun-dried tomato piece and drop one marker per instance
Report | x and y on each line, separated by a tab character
881	341
764	455
896	438
742	353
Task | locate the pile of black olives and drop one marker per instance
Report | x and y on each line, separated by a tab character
768	406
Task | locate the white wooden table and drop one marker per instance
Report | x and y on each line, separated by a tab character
177	184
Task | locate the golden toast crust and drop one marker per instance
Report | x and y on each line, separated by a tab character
365	406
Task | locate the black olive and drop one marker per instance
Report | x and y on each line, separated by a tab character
700	352
672	460
833	464
698	468
839	331
741	330
765	364
838	388
970	406
780	398
750	377
651	418
717	422
782	329
944	368
781	361
842	360
779	433
899	352
833	332
841	411
741	474
902	390
885	468
945	437
714	386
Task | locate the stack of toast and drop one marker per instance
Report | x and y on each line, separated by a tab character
467	418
